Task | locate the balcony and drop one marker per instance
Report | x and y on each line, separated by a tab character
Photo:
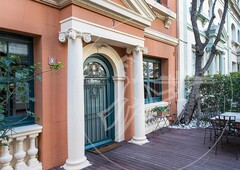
20	152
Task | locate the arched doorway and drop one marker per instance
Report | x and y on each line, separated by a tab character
98	101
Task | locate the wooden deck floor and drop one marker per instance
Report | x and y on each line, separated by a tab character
177	149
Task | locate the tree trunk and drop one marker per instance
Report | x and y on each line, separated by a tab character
188	111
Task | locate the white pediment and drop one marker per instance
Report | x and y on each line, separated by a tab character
141	7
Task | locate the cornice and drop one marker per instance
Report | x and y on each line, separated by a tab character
107	8
162	12
153	34
235	8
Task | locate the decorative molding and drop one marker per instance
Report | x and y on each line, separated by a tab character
99	31
153	34
162	12
107	8
73	34
235	44
144	50
168	21
141	7
203	18
59	4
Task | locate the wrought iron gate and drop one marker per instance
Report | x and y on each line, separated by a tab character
99	113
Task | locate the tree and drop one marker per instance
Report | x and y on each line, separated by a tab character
187	113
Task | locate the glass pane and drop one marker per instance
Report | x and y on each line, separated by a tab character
94	69
19	49
155	89
152	89
20	107
145	90
156	70
3	47
150	70
145	72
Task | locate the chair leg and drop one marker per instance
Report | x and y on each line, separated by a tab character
216	147
210	131
204	136
221	142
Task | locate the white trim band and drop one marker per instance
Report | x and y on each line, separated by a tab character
153	34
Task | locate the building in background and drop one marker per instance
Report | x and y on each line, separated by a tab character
120	61
228	58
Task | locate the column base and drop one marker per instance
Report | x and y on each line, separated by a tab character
76	165
139	141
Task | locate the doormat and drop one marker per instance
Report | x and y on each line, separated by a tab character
105	148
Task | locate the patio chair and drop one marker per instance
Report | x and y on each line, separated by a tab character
222	126
234	133
208	125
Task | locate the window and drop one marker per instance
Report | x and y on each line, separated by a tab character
234	67
152	80
239	36
210	5
12	44
220	13
233	32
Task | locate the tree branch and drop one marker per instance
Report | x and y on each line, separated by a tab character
210	24
218	37
200	8
195	25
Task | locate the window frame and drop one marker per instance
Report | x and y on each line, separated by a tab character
16	38
150	99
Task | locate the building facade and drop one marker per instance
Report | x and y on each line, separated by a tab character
226	61
119	60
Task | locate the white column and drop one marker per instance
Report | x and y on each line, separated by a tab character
212	67
75	101
217	63
139	107
119	108
182	54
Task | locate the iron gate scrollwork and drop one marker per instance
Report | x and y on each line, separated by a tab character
96	102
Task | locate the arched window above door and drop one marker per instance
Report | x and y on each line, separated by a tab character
94	69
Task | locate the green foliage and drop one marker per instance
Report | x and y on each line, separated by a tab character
160	109
218	92
14	81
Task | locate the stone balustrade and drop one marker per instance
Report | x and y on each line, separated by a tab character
20	151
150	117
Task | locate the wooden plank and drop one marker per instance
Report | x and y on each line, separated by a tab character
172	150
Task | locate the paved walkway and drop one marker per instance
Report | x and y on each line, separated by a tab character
177	149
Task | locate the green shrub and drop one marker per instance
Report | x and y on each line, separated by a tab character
218	92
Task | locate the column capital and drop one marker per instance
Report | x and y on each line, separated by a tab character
73	34
137	49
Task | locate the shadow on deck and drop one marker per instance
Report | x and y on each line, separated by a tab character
177	149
